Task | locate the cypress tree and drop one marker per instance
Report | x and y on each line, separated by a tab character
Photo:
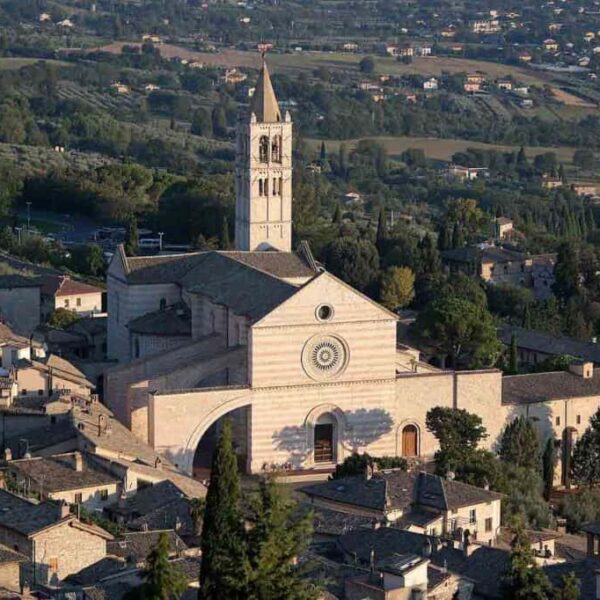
223	542
524	580
323	153
549	460
521	157
343	159
527	317
382	232
131	237
162	579
337	215
513	365
569	589
278	537
458	238
430	257
562	174
224	237
520	445
591	222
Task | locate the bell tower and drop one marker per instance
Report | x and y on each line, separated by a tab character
263	173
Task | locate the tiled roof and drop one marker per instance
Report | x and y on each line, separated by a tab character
542	387
399	490
10	556
241	288
61	285
136	546
172	321
585	571
18	281
475	255
539	341
149	499
24	516
165	269
333	522
97	571
56	473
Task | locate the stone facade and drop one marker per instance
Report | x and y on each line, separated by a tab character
20	307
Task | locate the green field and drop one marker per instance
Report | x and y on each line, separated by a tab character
8	64
443	149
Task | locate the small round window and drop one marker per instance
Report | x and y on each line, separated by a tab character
324	312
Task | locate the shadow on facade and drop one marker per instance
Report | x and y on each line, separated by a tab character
330	437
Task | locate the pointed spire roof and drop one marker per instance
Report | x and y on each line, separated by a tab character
264	103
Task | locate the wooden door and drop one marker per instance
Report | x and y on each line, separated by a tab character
324	443
409	441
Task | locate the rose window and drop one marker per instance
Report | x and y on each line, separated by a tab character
324	356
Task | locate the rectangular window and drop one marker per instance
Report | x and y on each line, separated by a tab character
78	301
23	392
103	495
488	524
472	516
67	303
578	419
78	498
53	564
557	421
40	392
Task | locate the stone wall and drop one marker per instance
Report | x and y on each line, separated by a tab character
21	308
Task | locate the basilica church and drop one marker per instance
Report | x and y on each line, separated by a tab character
307	368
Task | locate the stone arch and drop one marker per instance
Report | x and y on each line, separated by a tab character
209	419
406	425
340	424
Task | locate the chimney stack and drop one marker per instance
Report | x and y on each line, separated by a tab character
78	462
64	509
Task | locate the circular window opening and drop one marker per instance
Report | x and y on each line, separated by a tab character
324	312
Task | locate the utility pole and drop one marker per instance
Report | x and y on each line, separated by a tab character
18	230
160	237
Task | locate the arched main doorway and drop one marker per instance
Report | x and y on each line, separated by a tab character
410	441
205	449
325	439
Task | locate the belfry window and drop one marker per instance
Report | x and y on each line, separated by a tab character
263	149
276	149
261	187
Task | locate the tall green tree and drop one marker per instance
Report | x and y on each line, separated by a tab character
524	580
566	272
225	241
223	540
131	237
513	361
162	579
397	287
354	261
382	230
585	463
520	445
569	588
280	535
202	123
549	462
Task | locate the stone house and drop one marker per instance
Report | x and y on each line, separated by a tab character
10	569
65	477
534	347
55	543
60	291
415	501
20	303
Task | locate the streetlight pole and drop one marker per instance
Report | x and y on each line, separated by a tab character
160	236
18	230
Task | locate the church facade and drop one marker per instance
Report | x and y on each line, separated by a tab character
307	368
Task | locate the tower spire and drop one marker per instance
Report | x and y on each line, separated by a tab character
264	102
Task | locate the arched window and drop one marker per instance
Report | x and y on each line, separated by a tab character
266	186
261	187
276	149
410	441
263	149
275	190
280	185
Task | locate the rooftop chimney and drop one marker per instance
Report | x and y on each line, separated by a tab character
7	454
78	462
64	510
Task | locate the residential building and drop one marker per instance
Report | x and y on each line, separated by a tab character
68	477
536	346
415	501
430	84
503	227
468	173
505	84
60	291
54	541
234	76
485	26
550	45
